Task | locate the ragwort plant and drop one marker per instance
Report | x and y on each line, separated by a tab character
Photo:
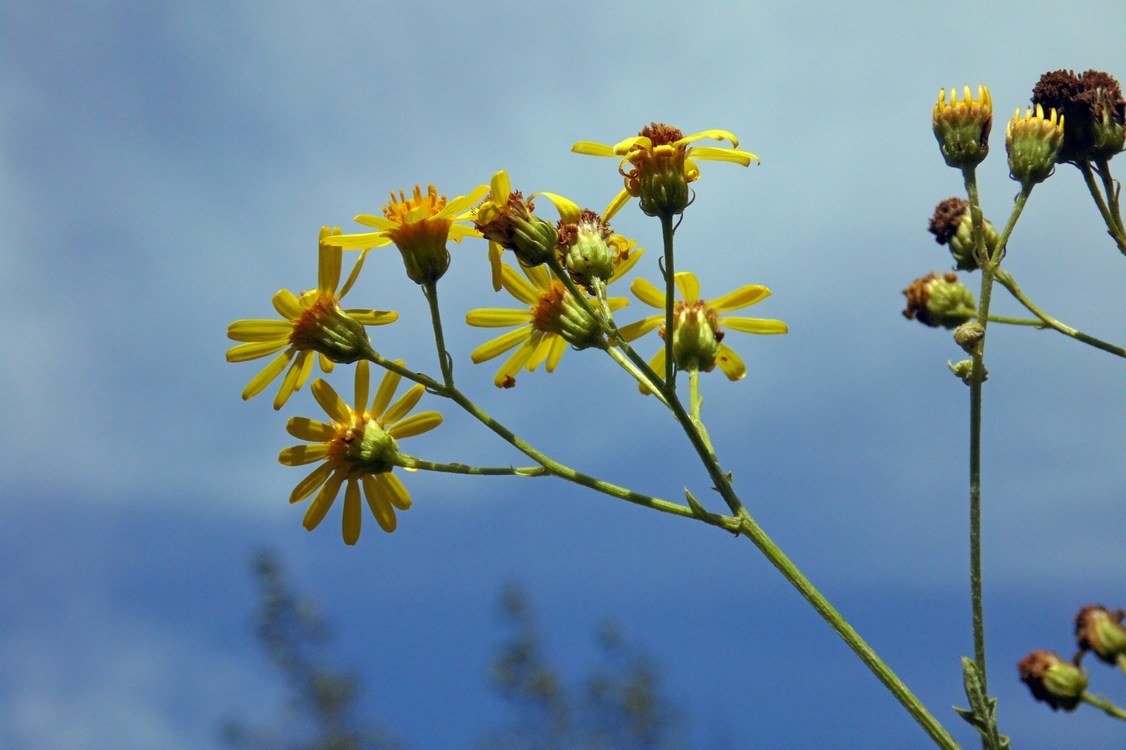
560	277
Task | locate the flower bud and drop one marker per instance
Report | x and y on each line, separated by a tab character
1033	144
962	127
515	227
326	328
965	371
1100	631
969	336
585	250
696	336
1058	683
939	301
952	225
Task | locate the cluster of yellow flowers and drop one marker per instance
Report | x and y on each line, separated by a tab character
577	256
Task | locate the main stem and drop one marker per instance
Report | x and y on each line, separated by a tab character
670	300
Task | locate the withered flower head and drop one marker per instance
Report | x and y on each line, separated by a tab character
1058	683
1100	630
1093	112
939	301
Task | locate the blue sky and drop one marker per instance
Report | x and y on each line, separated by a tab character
165	169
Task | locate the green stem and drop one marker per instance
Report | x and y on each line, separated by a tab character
969	312
988	265
1112	226
636	374
1005	279
696	403
670	299
410	462
445	361
1104	704
554	467
1111	190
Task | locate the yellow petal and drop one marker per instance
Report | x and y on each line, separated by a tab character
303	428
287	304
744	296
371	220
323	501
256	349
626	265
333	405
730	362
621	148
614	205
518	286
500	345
711	153
379	503
462	202
294	378
689	287
715	135
506	375
259	330
494	264
568	210
403	406
754	325
648	293
352	516
264	378
395	491
539	354
641	327
310	483
497	318
593	149
558	346
374	317
299	455
415	424
500	188
357	241
386	392
657	365
328	269
355	273
363	381
540	276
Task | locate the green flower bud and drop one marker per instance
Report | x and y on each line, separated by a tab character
969	336
585	250
696	336
965	371
1099	630
1033	144
1058	683
939	301
962	127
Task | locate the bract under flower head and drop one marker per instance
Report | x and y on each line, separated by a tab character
698	334
962	127
661	162
419	226
312	322
359	445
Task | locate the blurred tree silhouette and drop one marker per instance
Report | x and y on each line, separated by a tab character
618	706
294	635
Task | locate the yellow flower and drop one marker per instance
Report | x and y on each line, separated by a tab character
962	127
506	219
553	320
662	163
697	336
311	322
420	227
358	446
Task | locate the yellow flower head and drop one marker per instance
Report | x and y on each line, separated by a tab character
697	333
552	320
311	322
661	164
1033	143
962	127
419	226
359	445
